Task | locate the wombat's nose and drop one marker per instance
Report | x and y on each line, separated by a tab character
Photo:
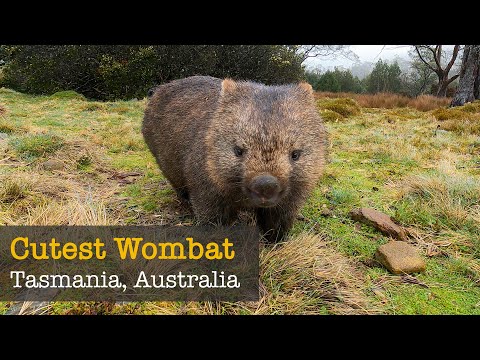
265	187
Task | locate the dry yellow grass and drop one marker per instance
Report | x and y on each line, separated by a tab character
305	275
390	101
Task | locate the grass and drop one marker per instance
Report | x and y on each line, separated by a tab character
399	158
389	100
336	109
35	145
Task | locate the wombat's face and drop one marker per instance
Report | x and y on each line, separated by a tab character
265	142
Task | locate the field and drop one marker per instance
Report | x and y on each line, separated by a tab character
66	160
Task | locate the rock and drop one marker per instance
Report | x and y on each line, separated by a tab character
379	221
51	165
3	136
326	212
400	257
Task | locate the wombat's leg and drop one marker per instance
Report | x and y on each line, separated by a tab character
275	223
182	194
211	210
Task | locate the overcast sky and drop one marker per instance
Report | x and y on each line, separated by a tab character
370	53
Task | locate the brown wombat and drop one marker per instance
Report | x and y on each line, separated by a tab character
229	146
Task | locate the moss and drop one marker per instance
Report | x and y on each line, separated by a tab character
329	115
442	114
346	107
462	126
472	107
470	111
68	95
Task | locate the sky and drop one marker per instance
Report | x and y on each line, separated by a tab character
371	53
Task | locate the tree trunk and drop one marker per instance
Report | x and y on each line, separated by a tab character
468	87
442	86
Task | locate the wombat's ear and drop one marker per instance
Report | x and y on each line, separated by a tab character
306	88
228	86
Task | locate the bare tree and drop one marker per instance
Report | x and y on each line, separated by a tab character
311	51
432	56
469	85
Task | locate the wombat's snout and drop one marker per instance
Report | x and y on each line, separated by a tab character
265	190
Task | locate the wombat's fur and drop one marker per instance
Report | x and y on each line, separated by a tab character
228	146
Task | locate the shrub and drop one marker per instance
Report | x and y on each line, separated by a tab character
108	72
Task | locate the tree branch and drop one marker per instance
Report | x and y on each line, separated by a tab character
454	57
452	78
423	60
306	53
437	55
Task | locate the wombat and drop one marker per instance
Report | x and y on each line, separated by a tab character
229	146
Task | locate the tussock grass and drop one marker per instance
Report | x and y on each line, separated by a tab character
31	146
67	95
73	212
438	201
305	274
11	190
389	100
460	119
337	109
6	127
302	276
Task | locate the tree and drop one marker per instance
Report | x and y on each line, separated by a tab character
347	82
337	80
432	56
329	82
384	78
419	79
469	85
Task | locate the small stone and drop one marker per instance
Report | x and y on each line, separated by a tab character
3	136
400	257
51	165
326	212
379	221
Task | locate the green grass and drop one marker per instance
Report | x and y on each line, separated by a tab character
393	160
35	145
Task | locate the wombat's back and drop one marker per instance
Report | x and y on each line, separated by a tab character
175	121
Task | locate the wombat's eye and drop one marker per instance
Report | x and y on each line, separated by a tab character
238	151
296	154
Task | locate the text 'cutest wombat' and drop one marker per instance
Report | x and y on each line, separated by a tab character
229	146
